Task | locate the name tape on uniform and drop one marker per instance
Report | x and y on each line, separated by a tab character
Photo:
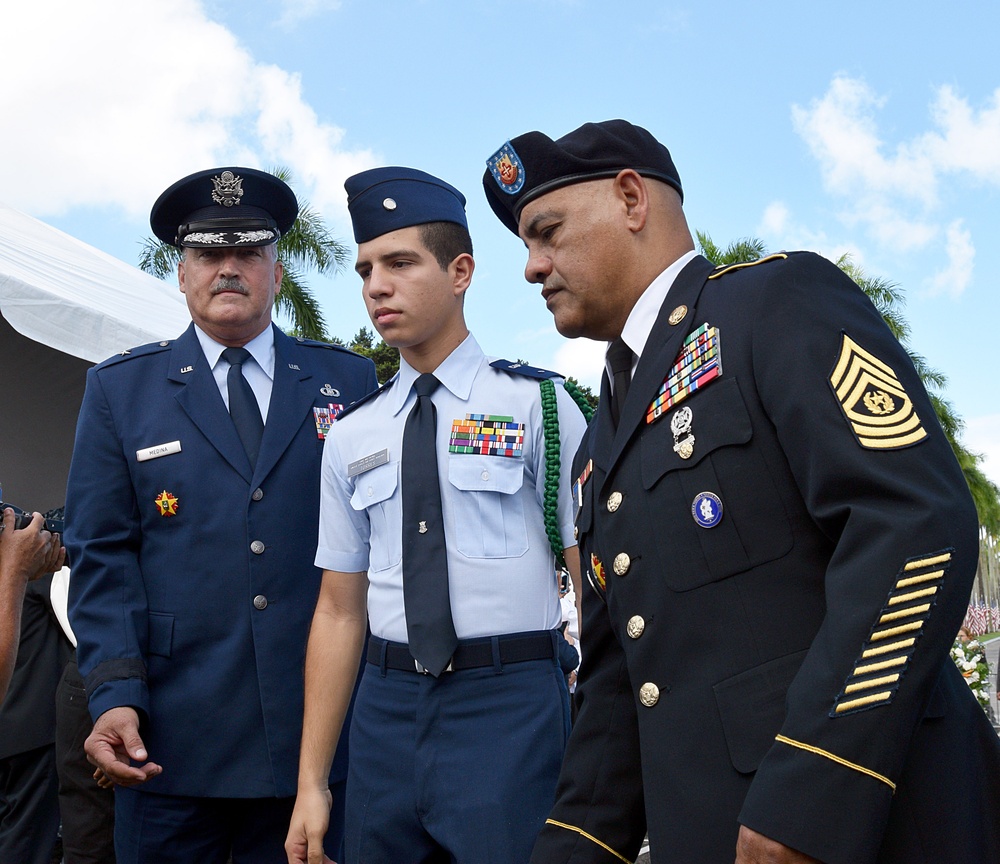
367	463
158	450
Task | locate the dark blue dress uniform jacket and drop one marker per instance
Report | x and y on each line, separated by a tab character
786	668
164	606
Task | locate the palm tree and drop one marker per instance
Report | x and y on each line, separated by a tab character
307	246
887	298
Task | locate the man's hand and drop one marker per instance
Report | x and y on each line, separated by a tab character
112	745
754	848
31	552
310	819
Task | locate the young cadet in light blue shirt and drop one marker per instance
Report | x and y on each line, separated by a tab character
456	761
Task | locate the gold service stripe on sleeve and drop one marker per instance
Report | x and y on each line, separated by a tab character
904	613
913	595
864	700
875	682
886	649
590	837
916	580
878	635
878	667
928	562
836	759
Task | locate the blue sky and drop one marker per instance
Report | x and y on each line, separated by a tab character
872	129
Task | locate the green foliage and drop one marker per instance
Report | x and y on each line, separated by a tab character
385	357
308	246
888	298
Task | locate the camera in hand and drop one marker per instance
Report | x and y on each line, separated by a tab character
54	520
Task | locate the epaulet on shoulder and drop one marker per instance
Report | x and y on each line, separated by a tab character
723	269
315	343
132	353
521	369
367	398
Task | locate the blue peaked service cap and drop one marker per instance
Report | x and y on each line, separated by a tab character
224	207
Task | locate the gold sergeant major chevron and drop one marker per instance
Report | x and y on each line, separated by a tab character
873	400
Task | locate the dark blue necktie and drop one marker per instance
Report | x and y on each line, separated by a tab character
620	360
429	625
243	407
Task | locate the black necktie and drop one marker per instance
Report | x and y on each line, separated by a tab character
243	407
620	359
429	625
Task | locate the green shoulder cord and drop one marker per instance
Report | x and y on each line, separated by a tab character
550	429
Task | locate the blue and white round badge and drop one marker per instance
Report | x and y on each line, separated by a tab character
507	169
706	509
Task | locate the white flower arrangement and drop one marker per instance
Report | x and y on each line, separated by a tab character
970	658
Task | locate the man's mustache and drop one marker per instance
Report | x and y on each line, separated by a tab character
229	283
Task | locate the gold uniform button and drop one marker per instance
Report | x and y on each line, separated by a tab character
621	563
614	501
636	625
678	315
649	694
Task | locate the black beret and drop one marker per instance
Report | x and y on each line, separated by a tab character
532	164
224	207
387	199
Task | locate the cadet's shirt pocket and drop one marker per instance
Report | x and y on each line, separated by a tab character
375	493
488	511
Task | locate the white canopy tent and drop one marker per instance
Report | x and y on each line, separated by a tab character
63	307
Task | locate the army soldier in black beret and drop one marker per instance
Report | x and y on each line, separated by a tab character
192	515
779	542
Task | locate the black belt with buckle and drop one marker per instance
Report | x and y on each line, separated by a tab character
470	653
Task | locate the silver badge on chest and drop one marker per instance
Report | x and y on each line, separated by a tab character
680	425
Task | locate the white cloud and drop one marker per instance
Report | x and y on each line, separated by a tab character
779	229
954	278
892	191
774	221
294	12
129	95
583	359
841	130
982	435
969	140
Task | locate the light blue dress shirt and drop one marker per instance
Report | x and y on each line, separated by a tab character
501	569
260	372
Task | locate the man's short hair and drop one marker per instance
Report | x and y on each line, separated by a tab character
446	241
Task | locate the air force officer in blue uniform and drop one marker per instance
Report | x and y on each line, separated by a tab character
192	520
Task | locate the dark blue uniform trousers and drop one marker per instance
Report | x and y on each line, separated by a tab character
458	769
173	829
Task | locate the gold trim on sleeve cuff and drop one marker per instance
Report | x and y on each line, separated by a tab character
836	759
590	837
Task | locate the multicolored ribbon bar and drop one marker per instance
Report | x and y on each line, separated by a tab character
580	481
699	362
487	435
325	418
